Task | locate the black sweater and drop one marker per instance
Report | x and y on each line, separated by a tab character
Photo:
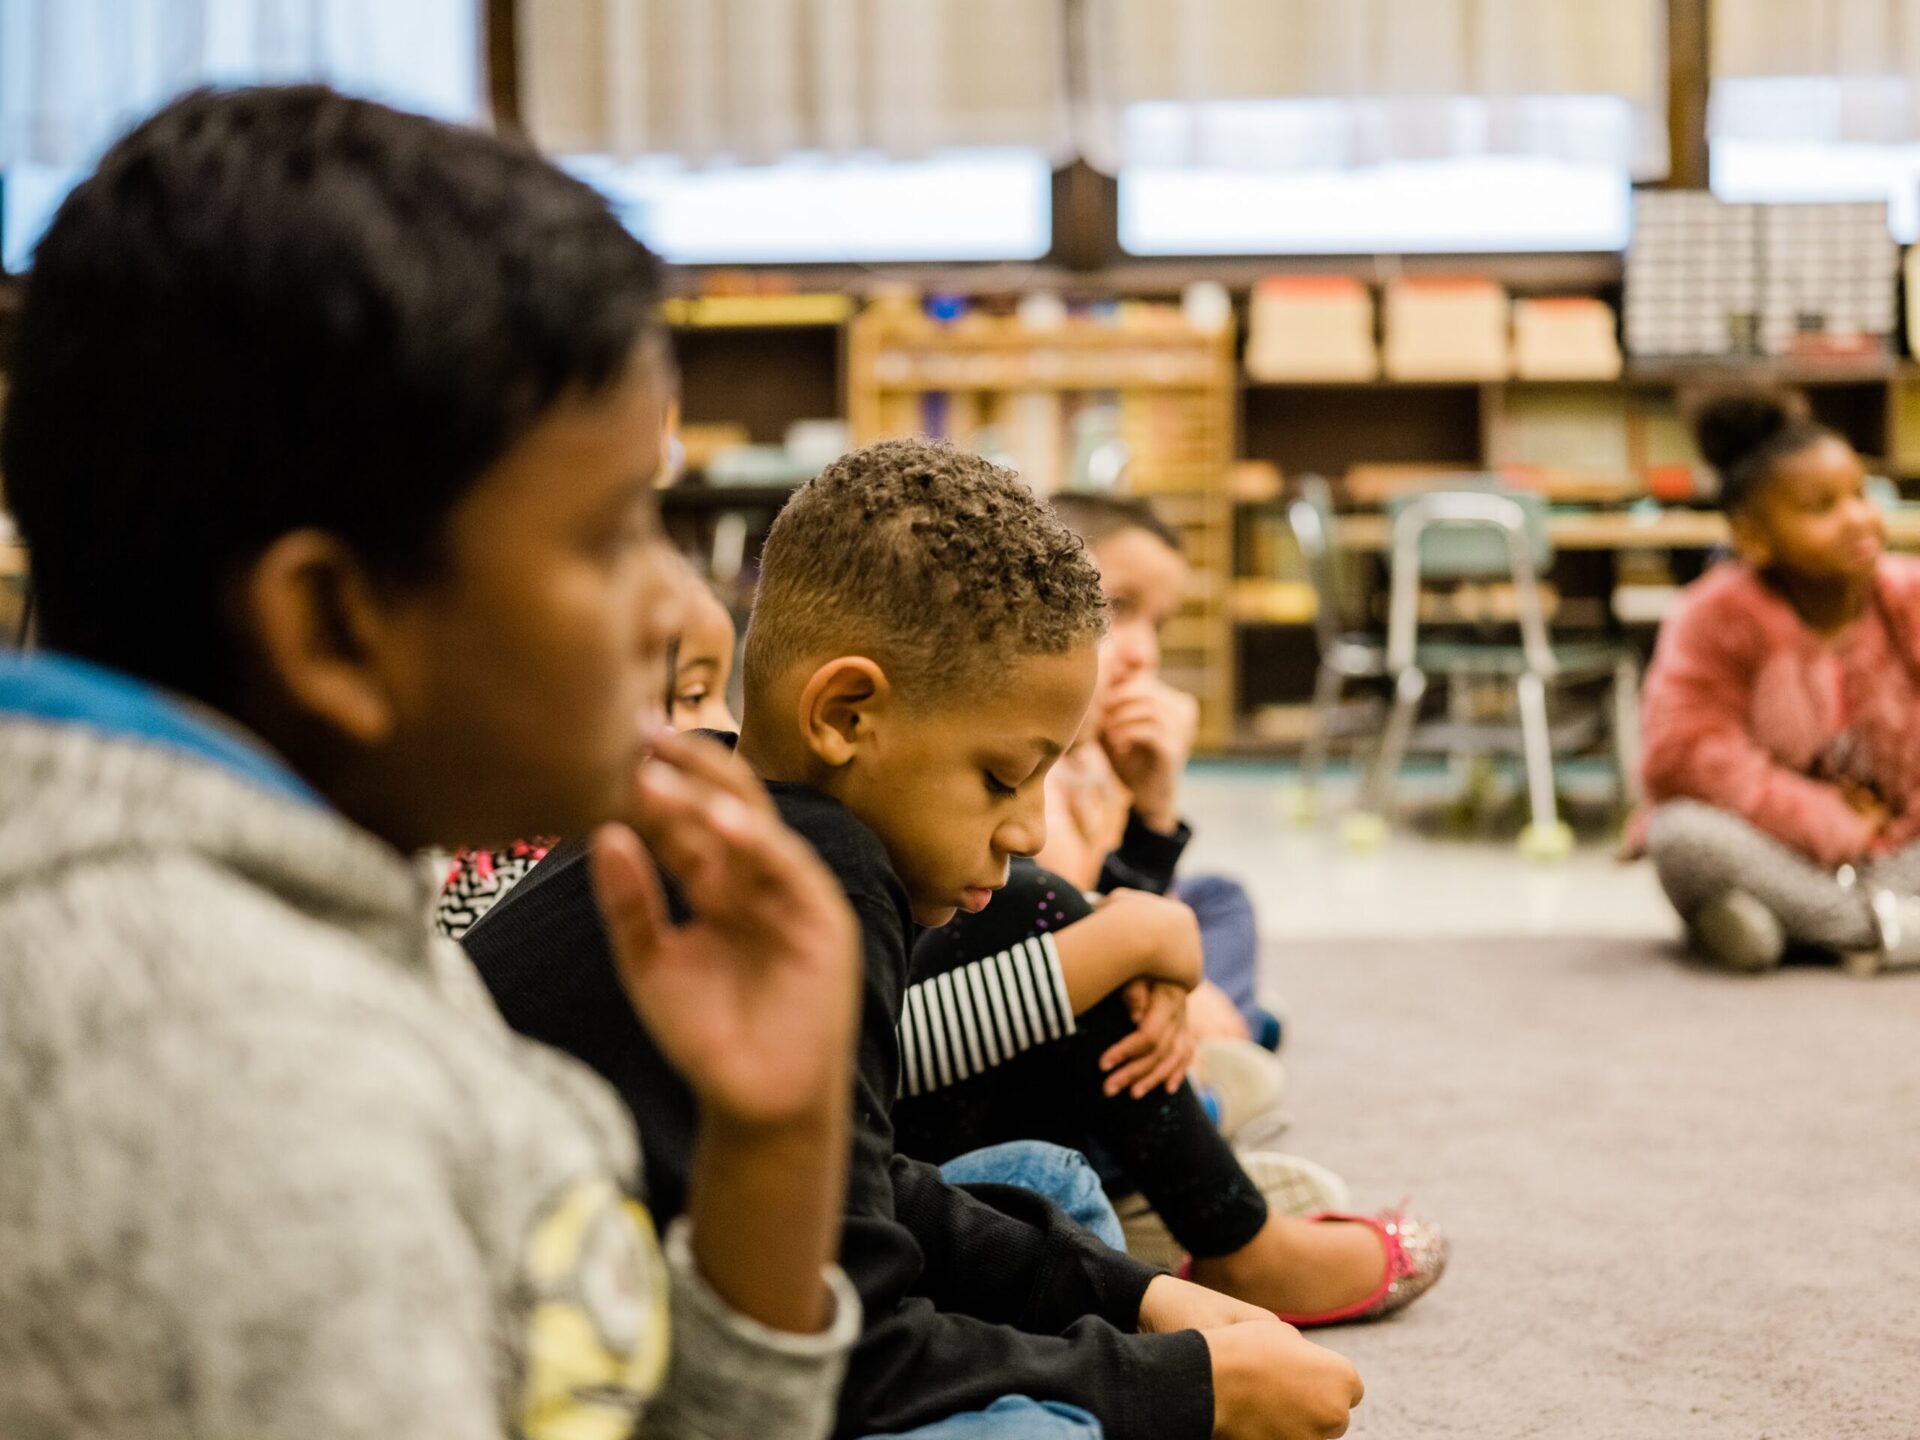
1145	859
969	1294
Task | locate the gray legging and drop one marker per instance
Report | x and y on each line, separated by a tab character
1700	853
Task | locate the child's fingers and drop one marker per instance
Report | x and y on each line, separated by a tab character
756	872
1134	1042
1127	1079
1167	1071
1143	730
708	763
1164	1024
1126	1062
1133	722
1141	1076
628	893
1179	1061
1143	1053
675	822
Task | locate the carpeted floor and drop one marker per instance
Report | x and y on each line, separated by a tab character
1685	1205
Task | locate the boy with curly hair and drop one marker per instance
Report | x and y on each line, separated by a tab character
922	649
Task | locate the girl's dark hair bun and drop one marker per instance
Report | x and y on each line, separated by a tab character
1731	427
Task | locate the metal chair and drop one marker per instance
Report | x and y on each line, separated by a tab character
1481	534
1346	654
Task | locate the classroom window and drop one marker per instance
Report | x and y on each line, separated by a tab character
1776	153
1281	178
424	55
959	205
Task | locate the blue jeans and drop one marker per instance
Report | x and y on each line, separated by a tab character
1229	942
1012	1417
1062	1175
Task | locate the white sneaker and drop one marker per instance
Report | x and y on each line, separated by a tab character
1292	1184
1897	919
1736	931
1246	1081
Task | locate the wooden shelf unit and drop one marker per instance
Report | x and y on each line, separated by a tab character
1173	387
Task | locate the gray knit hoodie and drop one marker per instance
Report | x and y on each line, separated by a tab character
271	1166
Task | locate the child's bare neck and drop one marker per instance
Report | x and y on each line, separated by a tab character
1827	606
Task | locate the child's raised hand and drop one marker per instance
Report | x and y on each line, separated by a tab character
1147	729
755	999
1160	1049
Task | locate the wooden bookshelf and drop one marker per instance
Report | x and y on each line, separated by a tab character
997	381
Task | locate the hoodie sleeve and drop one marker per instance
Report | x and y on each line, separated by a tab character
1698	744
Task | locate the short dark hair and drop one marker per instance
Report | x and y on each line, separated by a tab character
281	307
929	559
1097	518
1743	434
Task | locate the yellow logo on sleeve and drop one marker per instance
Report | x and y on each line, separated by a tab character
596	1342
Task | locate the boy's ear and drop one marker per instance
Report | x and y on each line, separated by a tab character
1750	541
314	617
838	707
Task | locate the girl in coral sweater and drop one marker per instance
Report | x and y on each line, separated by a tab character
1782	715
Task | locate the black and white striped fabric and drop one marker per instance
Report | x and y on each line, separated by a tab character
970	1019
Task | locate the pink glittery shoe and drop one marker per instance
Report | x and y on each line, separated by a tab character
1416	1252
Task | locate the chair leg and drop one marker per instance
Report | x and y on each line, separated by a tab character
1546	837
1460	767
1408	691
1537	741
1328	683
1626	729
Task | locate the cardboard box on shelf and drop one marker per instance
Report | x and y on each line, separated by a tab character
1311	327
1446	329
1565	337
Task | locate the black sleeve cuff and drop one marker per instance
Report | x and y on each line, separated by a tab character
1175	1397
1146	858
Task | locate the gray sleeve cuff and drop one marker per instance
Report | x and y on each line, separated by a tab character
731	1376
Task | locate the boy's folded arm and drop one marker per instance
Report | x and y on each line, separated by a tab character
1001	1253
919	1365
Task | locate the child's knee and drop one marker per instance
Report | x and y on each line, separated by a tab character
1680	826
1216	897
1063	1176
